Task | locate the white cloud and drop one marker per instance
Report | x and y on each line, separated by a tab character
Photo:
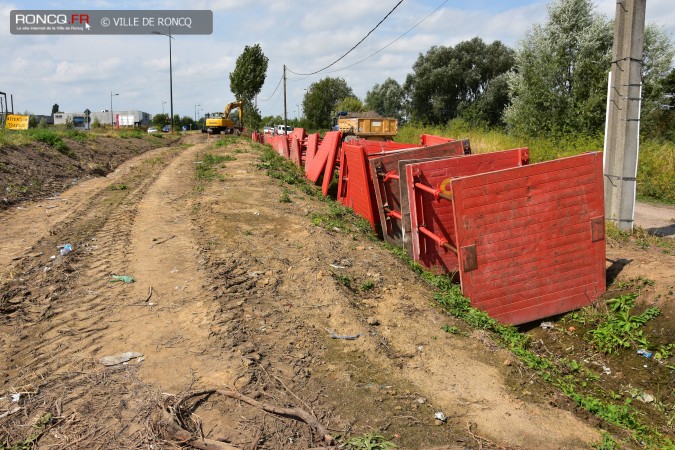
305	35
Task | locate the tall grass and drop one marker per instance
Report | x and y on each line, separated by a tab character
656	168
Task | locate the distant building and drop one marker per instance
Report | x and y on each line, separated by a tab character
133	118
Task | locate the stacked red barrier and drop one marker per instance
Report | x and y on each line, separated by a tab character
527	240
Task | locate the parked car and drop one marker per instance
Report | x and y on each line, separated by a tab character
280	129
167	128
268	130
152	130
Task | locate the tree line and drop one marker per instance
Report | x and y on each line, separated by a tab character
553	82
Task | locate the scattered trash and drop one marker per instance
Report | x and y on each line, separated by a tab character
10	412
345	337
16	397
52	257
335	266
123	278
547	325
421	400
607	370
645	353
65	249
440	416
120	359
645	398
571	329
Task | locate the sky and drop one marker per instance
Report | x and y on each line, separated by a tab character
80	72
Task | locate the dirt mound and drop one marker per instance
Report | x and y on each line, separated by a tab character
37	170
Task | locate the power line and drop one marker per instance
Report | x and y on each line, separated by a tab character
392	42
275	91
351	49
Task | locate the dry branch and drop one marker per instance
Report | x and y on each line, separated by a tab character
298	414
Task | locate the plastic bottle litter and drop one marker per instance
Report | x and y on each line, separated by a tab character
440	416
120	359
123	278
65	249
547	325
645	353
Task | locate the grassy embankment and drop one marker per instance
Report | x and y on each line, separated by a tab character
656	169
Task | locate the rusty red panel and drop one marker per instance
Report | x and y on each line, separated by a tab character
329	145
355	188
430	139
295	150
299	133
312	146
385	176
343	178
333	155
539	250
381	147
437	214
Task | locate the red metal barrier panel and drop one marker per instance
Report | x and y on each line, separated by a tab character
299	133
405	205
431	139
432	214
330	167
532	239
312	145
295	150
385	176
269	139
329	145
355	185
381	147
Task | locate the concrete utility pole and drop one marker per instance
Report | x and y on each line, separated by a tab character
623	113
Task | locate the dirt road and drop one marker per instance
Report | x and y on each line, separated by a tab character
235	289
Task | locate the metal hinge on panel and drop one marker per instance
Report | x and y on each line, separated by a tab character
469	258
597	229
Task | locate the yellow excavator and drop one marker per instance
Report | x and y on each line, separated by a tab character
220	122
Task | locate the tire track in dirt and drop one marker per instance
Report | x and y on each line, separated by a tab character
67	305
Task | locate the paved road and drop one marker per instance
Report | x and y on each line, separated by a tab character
657	219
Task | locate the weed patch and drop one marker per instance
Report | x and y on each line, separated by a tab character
53	139
206	168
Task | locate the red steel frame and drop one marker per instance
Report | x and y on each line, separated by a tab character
385	176
430	201
532	239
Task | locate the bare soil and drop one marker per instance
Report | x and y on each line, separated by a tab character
236	290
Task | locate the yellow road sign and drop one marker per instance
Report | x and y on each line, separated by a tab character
16	122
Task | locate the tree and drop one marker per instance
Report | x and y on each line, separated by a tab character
159	120
447	80
248	78
386	98
349	104
560	81
321	101
55	108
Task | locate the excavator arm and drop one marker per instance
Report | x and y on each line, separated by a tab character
230	106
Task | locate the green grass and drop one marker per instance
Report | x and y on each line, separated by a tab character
640	237
656	168
206	169
369	441
52	138
136	134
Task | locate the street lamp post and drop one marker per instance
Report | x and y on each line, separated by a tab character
170	73
163	101
196	112
112	119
